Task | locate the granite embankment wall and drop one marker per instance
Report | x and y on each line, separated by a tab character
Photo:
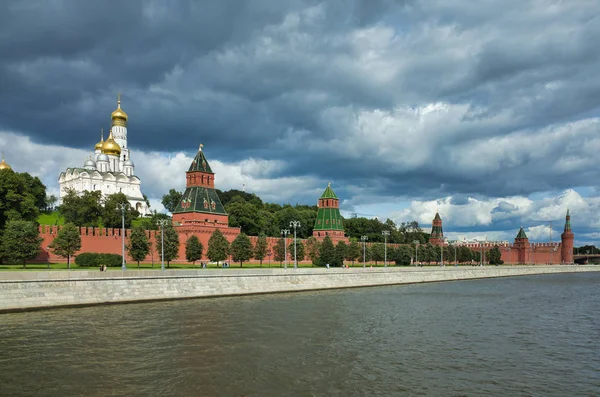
31	290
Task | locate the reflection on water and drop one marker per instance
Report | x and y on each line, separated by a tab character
535	335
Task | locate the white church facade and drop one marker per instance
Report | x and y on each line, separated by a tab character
110	169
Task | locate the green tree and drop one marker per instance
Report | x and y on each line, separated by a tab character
218	247
260	248
377	252
138	245
193	249
312	250
36	188
171	200
279	251
151	222
476	256
341	251
495	256
51	202
21	241
464	254
299	250
241	248
111	213
82	210
171	242
354	251
402	255
367	253
16	201
326	252
67	242
245	215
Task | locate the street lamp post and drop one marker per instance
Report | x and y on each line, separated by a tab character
162	223
455	257
123	208
364	241
481	253
284	233
385	234
269	253
295	224
416	243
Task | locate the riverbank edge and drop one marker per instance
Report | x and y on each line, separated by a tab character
27	291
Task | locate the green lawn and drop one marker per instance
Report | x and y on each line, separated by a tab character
51	218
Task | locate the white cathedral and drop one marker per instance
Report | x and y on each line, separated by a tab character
110	169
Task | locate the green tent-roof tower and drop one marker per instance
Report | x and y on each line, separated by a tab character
200	202
329	222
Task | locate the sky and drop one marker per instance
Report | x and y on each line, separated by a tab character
488	114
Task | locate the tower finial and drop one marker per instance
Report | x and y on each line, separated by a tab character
101	134
119	100
328	184
201	146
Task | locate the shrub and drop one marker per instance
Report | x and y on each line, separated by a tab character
96	259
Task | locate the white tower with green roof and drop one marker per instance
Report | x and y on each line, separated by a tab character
329	221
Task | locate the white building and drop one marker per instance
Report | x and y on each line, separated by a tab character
109	169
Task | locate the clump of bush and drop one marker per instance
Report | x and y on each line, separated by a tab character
97	259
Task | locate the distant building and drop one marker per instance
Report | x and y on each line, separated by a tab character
521	250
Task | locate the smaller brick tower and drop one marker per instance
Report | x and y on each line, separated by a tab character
567	237
329	220
521	245
437	233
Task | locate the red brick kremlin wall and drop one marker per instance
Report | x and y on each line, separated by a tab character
537	253
107	240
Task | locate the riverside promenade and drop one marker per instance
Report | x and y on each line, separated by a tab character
28	290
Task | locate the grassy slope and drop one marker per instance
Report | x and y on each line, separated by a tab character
50	218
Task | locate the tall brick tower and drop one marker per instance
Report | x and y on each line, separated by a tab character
437	233
567	237
521	245
200	203
329	221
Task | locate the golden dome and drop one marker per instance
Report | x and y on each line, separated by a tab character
101	143
3	165
119	117
111	147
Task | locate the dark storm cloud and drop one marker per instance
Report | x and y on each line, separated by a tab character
303	82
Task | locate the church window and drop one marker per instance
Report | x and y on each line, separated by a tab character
120	190
327	221
319	222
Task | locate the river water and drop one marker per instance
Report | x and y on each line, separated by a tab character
521	336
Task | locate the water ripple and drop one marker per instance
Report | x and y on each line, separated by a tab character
524	336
